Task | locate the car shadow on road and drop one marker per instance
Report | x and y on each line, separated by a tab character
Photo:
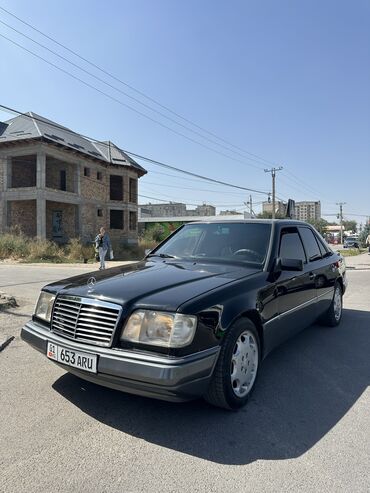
305	387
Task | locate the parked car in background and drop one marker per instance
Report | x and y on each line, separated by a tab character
351	242
198	315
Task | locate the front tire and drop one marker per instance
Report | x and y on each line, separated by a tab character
333	316
236	370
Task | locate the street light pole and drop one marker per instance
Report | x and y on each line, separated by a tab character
273	175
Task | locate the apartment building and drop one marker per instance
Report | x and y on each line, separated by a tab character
175	209
307	210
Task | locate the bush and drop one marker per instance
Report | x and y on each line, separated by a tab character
14	246
124	252
75	250
17	246
157	232
44	250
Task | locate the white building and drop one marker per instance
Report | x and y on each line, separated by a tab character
306	210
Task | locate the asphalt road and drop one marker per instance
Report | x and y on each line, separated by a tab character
305	429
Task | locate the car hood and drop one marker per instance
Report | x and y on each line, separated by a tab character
157	284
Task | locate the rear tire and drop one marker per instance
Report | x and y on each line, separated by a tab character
236	370
333	316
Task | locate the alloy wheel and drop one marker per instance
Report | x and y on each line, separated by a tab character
337	303
244	363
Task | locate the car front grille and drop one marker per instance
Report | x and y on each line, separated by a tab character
84	319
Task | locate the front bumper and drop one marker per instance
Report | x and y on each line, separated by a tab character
167	378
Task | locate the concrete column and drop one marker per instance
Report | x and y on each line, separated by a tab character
3	213
41	217
78	221
77	181
41	170
7	173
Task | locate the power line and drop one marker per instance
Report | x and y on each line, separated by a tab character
91	86
134	89
179	177
303	184
172	200
122	103
190	188
128	95
138	156
263	160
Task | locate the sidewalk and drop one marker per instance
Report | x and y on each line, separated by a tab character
90	266
358	262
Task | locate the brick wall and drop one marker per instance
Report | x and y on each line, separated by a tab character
90	222
22	213
54	167
69	212
90	186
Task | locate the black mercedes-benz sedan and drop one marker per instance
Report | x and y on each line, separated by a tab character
198	315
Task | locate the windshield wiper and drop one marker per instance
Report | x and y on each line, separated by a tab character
161	255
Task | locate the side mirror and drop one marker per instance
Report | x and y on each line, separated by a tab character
289	264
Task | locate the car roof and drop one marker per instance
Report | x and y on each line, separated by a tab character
283	222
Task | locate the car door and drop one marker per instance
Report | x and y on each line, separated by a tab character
295	291
320	268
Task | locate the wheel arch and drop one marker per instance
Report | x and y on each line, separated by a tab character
255	318
341	284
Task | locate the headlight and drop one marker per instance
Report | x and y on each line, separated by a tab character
44	306
160	328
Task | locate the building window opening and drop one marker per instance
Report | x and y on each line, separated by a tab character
86	171
23	171
116	219
116	187
133	220
63	180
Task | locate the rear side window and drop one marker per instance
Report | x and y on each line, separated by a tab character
291	246
310	244
322	249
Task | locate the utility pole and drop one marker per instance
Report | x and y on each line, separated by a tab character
273	174
249	203
341	204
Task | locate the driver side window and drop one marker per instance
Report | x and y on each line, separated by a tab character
291	246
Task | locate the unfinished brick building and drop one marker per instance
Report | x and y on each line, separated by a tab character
58	185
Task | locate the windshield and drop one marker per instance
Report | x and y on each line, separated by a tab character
242	242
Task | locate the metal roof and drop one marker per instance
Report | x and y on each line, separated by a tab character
33	126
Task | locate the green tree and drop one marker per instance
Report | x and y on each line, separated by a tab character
363	235
157	232
320	225
268	215
350	226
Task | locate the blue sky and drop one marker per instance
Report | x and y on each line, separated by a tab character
286	80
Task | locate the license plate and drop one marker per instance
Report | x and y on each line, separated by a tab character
70	357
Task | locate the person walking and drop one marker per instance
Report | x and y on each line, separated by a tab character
103	245
368	242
